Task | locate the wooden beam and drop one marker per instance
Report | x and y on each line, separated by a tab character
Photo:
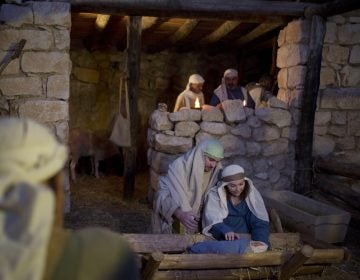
335	7
338	166
175	243
183	31
233	274
152	265
304	143
133	68
149	22
295	262
230	9
257	32
220	32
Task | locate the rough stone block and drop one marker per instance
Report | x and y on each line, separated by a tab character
62	131
278	161
336	54
296	77
346	143
45	111
14	15
355	55
211	114
338	117
232	145
282	78
58	86
233	110
292	55
260	165
244	163
160	121
323	146
185	115
266	133
298	31
253	149
320	130
353	123
62	39
350	76
322	117
186	129
279	117
253	121
46	62
35	39
172	144
349	34
242	130
274	175
160	161
16	86
281	37
275	102
337	130
289	132
276	147
200	136
52	13
331	31
214	128
327	77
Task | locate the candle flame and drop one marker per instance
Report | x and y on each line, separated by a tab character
197	103
244	103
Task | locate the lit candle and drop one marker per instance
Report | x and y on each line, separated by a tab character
197	103
244	103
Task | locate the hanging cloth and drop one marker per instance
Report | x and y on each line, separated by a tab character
120	134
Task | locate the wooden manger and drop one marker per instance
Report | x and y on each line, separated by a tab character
163	256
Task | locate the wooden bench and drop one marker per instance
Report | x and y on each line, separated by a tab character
163	256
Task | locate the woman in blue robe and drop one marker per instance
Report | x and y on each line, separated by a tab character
234	206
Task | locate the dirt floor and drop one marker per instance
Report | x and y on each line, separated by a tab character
98	202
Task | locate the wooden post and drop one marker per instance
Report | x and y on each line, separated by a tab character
133	68
152	265
296	261
304	145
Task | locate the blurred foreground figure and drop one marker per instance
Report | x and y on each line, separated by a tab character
33	243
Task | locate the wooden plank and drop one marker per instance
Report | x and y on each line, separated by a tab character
152	265
230	9
133	68
175	243
304	143
183	31
220	32
230	261
233	274
295	262
338	166
257	32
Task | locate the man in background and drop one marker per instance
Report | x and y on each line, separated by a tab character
230	90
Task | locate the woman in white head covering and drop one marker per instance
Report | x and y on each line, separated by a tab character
193	91
235	206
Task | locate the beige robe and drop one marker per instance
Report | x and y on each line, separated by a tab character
182	187
187	99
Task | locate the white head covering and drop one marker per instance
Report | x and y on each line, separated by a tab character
216	210
195	79
221	90
29	155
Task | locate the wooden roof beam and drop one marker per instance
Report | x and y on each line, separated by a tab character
220	32
335	7
257	32
183	31
230	9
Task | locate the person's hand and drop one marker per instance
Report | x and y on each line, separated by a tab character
188	219
231	235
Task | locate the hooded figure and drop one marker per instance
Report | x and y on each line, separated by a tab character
230	90
193	91
182	190
235	206
33	244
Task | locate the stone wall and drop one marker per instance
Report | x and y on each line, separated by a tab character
337	119
36	84
260	140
